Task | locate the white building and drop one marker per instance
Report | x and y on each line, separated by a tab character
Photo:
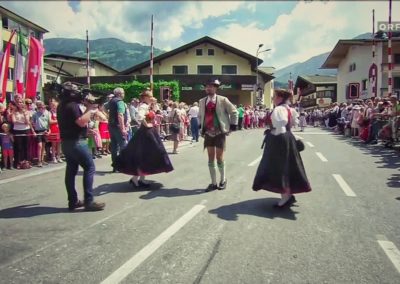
353	60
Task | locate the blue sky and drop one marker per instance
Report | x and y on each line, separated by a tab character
294	30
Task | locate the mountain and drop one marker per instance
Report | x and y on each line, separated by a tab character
308	67
114	52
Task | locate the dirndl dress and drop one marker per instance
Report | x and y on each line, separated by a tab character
144	155
281	168
104	133
54	133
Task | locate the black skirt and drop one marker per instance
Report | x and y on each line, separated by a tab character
145	154
281	167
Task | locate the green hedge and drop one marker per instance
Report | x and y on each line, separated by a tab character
134	88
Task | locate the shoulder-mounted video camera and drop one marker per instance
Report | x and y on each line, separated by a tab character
69	91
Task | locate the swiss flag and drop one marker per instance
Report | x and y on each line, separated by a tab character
34	67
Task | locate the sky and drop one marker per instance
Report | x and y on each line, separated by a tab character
293	30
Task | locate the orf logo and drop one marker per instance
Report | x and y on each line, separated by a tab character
385	26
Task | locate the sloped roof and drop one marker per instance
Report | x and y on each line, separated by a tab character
57	55
319	79
56	70
192	44
342	47
18	18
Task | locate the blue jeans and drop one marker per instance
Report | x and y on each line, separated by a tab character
77	154
118	142
194	128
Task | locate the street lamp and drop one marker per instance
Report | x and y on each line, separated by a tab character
257	53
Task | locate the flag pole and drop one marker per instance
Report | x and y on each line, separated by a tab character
390	51
151	55
16	62
87	59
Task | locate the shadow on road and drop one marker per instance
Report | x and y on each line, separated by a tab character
389	158
124	187
29	210
171	192
257	207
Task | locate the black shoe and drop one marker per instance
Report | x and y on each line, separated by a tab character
143	184
211	187
222	185
78	204
95	206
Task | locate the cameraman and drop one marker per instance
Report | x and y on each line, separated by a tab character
73	120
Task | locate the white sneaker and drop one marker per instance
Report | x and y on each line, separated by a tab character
60	161
55	161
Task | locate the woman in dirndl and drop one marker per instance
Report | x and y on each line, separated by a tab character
145	153
281	169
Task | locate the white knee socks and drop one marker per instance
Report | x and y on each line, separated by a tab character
213	172
221	167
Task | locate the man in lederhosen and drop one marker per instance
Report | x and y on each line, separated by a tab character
217	116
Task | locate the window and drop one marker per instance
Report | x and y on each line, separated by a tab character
12	49
352	67
11	74
396	82
180	69
364	84
204	69
211	52
199	52
229	69
4	22
396	59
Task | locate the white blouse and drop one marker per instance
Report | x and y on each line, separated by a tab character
142	110
280	119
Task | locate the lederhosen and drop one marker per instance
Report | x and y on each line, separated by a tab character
213	136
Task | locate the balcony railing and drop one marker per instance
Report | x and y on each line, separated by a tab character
395	67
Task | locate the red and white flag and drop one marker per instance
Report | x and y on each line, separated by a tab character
35	59
5	61
20	63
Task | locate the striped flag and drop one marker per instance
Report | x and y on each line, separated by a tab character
390	66
4	64
20	62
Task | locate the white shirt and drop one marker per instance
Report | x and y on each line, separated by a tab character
213	99
280	119
142	110
194	111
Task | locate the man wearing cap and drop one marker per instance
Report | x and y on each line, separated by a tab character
217	116
116	124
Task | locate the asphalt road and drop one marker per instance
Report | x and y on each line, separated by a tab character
345	231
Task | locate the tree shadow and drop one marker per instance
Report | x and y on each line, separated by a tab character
257	207
29	210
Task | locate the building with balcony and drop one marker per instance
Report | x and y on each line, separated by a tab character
355	64
11	21
315	90
196	63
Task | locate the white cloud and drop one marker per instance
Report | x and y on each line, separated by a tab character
309	29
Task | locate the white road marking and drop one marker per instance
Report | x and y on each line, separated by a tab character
255	162
127	268
345	187
323	159
310	145
298	137
32	174
315	133
392	252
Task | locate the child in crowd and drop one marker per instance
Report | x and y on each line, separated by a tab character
7	140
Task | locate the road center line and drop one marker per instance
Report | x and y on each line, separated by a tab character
122	272
255	161
323	159
310	145
344	186
392	252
